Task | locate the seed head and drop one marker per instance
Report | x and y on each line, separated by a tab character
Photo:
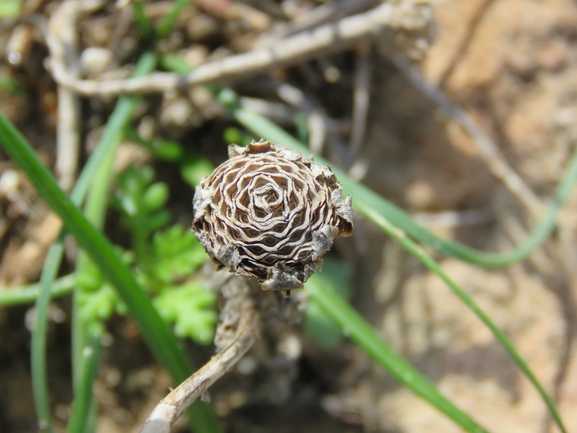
270	213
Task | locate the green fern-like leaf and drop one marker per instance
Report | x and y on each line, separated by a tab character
141	202
189	308
177	254
165	263
97	298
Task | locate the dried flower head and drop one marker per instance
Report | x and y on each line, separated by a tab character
270	213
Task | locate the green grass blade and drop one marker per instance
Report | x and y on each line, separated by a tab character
98	183
143	22
367	202
358	330
168	21
95	211
28	294
433	266
11	85
83	401
155	331
38	349
114	130
54	257
175	63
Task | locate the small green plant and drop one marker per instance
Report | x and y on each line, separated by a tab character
97	298
141	204
163	261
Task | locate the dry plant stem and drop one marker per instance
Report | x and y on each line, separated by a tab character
361	95
319	15
175	404
62	41
276	111
317	131
488	150
320	41
321	127
568	260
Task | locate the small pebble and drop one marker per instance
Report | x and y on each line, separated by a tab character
95	60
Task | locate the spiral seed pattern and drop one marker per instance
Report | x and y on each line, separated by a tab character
270	213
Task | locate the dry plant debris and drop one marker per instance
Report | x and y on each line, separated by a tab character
237	334
270	213
403	26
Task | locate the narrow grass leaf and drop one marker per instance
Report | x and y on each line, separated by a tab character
54	257
28	294
358	330
143	22
95	211
38	349
83	399
434	267
367	201
167	22
155	331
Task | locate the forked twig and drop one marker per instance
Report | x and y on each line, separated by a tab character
175	404
330	11
62	41
322	40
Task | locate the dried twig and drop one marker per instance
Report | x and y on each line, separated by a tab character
62	41
276	111
320	15
361	96
488	150
175	404
322	40
462	49
317	130
321	127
